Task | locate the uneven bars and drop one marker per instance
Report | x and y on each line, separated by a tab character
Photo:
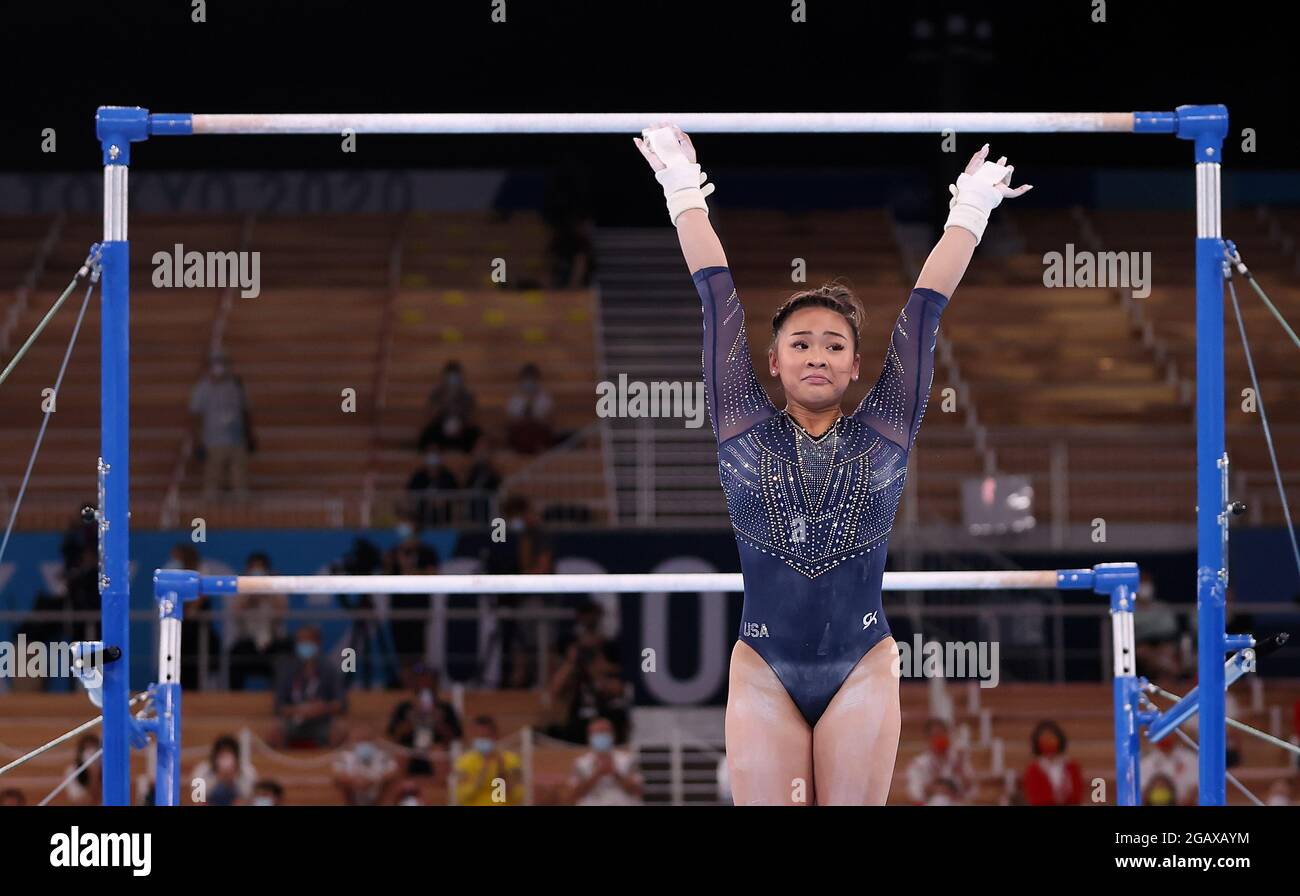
621	583
162	124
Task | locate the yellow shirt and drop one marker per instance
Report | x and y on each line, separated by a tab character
469	771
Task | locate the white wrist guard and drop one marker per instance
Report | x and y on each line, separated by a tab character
683	181
974	197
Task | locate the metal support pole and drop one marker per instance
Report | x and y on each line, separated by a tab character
1207	126
172	588
1128	783
116	129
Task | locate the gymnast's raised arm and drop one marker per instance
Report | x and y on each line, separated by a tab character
979	190
896	403
735	398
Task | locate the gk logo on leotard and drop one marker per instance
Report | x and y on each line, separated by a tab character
754	629
868	620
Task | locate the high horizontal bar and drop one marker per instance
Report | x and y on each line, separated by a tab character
621	583
696	122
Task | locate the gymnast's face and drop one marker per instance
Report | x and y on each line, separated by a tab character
814	357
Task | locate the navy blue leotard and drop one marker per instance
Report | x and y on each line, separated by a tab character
812	516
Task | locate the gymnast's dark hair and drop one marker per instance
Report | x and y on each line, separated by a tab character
835	295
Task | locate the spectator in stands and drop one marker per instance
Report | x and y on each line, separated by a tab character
528	414
267	793
228	778
368	635
80	550
256	627
195	630
1158	791
486	775
451	425
482	477
222	429
86	787
76	590
364	772
1178	764
309	696
525	549
1157	634
424	506
1052	778
589	682
410	556
944	792
12	796
941	760
604	776
423	722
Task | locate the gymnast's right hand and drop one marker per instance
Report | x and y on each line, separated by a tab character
671	155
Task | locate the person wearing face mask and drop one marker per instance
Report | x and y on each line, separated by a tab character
1178	764
484	479
227	779
451	425
309	696
604	776
221	427
267	793
256	628
426	506
528	414
1052	778
85	789
485	774
365	771
424	723
410	556
940	761
525	549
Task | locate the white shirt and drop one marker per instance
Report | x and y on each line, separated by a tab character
522	405
607	791
927	768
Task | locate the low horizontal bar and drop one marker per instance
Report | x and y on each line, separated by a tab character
633	122
621	583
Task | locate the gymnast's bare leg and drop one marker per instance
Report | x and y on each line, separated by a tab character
855	741
769	744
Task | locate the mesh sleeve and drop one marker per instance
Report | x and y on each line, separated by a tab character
736	399
896	403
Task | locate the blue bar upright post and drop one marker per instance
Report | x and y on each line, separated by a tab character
1207	126
116	129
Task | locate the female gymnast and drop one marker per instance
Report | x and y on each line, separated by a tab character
812	708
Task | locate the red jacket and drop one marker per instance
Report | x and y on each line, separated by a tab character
1039	790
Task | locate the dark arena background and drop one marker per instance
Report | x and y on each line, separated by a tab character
358	353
